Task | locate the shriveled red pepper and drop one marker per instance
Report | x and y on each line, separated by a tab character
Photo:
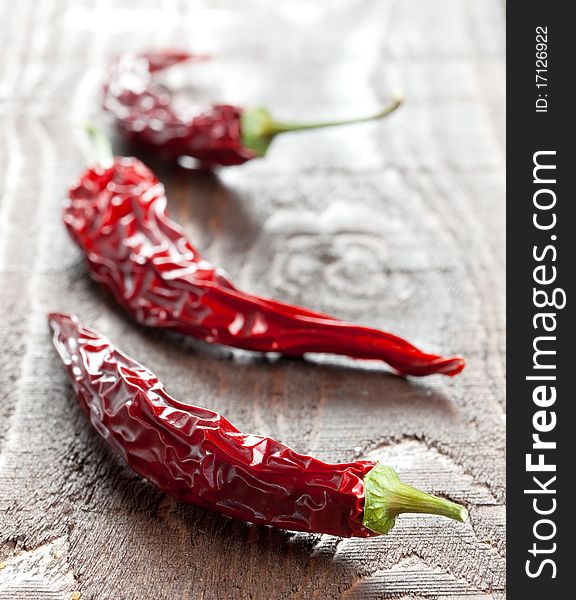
116	214
197	456
220	135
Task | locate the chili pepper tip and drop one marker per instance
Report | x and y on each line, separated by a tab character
162	59
453	366
432	365
56	317
387	497
58	321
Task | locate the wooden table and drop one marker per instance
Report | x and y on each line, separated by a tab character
398	224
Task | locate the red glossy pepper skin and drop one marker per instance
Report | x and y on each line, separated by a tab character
143	113
117	216
196	455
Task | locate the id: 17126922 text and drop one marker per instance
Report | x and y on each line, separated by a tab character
541	69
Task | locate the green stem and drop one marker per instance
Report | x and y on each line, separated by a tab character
387	497
259	128
101	147
275	127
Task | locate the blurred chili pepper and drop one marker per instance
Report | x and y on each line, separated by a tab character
197	456
116	214
220	135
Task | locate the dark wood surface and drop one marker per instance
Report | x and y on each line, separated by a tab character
398	224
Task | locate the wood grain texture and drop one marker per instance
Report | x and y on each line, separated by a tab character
398	224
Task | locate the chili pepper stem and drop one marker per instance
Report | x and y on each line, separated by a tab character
284	127
101	147
386	496
259	129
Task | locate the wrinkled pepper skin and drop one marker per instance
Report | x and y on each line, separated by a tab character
196	455
143	113
117	216
218	135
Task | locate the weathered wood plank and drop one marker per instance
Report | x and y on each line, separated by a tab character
398	224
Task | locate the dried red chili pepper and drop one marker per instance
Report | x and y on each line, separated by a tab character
221	135
117	216
197	456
